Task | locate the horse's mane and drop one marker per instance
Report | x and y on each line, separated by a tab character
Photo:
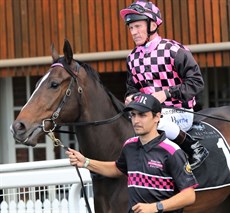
119	106
90	71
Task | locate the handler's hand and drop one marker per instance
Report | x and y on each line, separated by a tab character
145	208
75	158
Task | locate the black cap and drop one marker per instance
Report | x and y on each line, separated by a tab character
144	103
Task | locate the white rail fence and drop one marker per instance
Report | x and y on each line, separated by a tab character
43	187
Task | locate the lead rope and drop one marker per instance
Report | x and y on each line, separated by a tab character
57	142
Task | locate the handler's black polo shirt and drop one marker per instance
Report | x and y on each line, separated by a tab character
156	171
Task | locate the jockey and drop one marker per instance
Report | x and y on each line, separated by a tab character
167	70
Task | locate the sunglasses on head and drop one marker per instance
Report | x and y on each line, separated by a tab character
140	9
137	8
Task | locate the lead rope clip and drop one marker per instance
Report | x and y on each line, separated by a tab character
55	140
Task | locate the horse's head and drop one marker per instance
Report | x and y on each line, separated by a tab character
53	100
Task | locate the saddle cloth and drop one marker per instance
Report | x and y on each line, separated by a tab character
215	171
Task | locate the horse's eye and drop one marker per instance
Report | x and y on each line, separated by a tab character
54	85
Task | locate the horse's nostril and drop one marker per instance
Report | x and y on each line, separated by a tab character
19	126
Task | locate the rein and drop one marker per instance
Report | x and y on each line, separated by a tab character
93	123
110	120
197	113
79	124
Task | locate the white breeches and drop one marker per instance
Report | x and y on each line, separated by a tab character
174	120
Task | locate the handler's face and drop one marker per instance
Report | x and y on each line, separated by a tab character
143	123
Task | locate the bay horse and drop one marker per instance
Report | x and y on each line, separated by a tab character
71	92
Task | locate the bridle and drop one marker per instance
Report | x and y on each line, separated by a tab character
68	92
56	113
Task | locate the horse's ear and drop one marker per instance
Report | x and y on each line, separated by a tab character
54	53
68	53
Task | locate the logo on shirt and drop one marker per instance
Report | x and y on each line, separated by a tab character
155	164
187	168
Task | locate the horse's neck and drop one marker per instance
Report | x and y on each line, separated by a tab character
98	140
98	105
104	142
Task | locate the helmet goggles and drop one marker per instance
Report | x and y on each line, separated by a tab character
145	9
139	8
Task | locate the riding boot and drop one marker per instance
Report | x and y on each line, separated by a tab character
195	151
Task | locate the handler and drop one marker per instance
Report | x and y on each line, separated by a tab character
159	174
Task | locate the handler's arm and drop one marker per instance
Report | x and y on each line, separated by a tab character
178	201
104	168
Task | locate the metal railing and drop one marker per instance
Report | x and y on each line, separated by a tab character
44	185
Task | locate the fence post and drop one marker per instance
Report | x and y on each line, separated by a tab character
74	198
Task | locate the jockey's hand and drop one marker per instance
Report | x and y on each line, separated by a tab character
161	96
145	208
131	97
75	157
128	99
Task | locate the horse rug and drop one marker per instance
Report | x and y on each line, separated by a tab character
215	171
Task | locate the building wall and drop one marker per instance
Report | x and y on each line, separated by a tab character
28	27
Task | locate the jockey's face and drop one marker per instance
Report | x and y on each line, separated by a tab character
138	30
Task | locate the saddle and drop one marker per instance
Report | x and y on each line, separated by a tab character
215	171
